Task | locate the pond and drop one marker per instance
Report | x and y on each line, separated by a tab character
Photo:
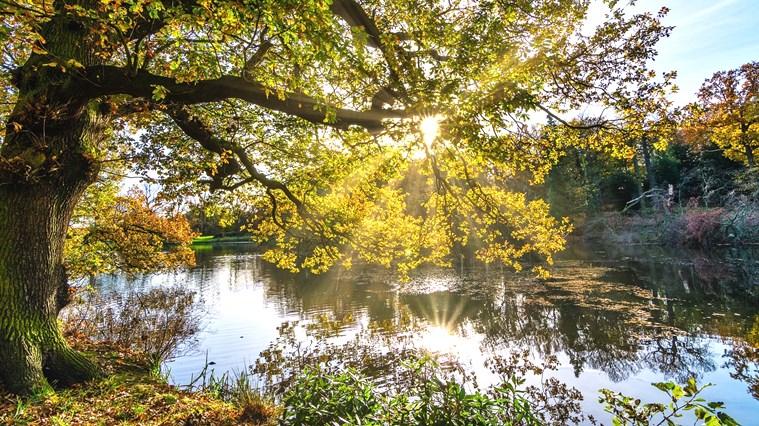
616	318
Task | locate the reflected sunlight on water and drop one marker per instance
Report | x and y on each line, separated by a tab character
615	320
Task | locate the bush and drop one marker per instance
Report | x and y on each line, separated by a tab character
153	324
681	398
349	398
319	398
747	184
702	227
737	223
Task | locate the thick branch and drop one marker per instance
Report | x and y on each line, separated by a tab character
109	80
356	16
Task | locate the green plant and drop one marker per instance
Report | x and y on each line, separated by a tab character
434	398
326	399
628	410
239	390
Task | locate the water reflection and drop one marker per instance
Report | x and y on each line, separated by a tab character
621	317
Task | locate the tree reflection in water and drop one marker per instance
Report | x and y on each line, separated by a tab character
743	359
620	313
617	317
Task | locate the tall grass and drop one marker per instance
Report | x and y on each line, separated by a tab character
239	389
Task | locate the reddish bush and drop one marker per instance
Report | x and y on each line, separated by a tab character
702	227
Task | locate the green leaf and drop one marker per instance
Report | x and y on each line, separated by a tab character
159	92
677	392
691	388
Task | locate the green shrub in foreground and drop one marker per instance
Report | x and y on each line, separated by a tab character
683	399
349	398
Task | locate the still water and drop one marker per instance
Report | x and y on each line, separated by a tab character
614	318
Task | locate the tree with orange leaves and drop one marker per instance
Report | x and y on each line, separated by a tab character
727	112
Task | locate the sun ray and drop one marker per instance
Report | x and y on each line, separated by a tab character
430	129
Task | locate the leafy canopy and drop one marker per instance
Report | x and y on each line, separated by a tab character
129	233
311	110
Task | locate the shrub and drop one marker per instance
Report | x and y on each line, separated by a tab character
347	397
682	398
702	227
319	398
153	324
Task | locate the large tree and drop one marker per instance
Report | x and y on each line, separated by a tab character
311	107
727	112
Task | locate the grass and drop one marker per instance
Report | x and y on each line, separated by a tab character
130	394
212	239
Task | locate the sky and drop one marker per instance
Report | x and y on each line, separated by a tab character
709	36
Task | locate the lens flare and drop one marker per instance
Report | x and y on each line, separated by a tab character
430	128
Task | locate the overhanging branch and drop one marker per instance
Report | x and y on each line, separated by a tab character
109	80
598	125
356	16
198	131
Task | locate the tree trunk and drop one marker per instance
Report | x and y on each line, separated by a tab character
650	174
47	159
640	185
750	155
33	288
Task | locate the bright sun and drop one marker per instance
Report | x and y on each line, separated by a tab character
430	128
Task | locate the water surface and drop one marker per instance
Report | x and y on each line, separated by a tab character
618	319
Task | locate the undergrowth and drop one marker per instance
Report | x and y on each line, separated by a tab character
130	394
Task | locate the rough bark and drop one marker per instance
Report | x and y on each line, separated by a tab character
33	353
640	185
748	150
750	156
44	169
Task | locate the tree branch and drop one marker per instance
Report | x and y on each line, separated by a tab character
598	125
195	129
356	16
109	80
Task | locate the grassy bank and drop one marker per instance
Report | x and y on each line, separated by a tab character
213	239
130	393
689	227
